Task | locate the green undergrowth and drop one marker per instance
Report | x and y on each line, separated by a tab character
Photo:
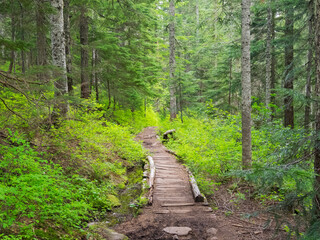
56	179
136	120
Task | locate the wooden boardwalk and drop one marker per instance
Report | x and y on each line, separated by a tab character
173	203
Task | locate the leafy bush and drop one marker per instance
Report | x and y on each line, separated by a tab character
34	195
52	190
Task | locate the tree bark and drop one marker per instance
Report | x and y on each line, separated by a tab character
96	82
273	66
13	38
41	38
309	66
59	58
23	55
172	62
68	45
289	75
230	82
246	86
268	56
84	28
317	106
109	94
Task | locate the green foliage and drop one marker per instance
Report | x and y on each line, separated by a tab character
136	120
75	171
35	195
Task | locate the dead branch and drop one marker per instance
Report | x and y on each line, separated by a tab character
14	112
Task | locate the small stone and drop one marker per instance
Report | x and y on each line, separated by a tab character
212	231
175	237
112	235
213	238
180	231
91	224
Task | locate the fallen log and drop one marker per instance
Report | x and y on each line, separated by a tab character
171	152
198	197
151	178
167	133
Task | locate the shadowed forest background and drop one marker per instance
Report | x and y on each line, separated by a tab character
79	79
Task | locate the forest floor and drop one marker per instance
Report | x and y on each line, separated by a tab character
173	206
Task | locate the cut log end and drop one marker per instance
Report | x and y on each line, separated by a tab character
167	133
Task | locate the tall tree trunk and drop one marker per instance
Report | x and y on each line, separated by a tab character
59	58
317	106
41	37
68	45
93	73
246	86
197	22
309	66
230	82
268	56
13	38
23	56
96	82
85	82
317	122
181	101
289	75
172	63
273	66
109	94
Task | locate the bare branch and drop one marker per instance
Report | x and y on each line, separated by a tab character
15	113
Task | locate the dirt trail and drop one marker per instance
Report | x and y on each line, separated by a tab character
173	203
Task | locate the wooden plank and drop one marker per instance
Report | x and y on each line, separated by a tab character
176	204
170	186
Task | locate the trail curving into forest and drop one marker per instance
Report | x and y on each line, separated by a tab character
174	214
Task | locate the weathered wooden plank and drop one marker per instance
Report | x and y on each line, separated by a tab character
177	204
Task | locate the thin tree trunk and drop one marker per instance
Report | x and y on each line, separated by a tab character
23	56
268	57
93	74
145	107
59	58
41	38
309	66
246	86
181	102
109	94
68	45
316	204
289	75
230	82
197	21
85	83
96	82
172	62
273	67
13	38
